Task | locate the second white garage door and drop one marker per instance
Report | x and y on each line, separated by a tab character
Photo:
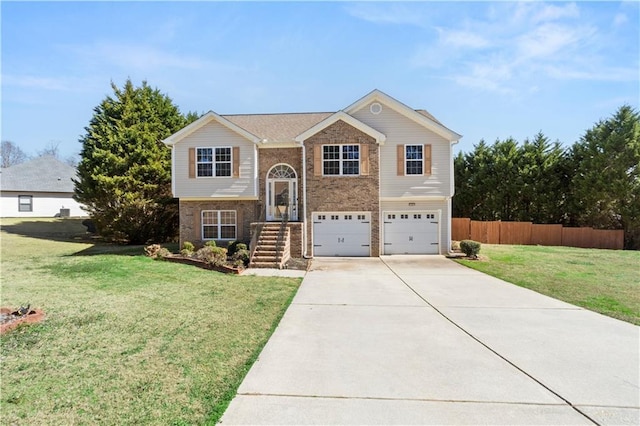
411	233
341	234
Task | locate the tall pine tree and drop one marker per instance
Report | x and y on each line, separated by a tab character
124	175
606	185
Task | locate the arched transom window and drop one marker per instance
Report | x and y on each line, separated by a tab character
282	171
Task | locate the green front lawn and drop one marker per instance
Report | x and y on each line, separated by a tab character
605	281
127	340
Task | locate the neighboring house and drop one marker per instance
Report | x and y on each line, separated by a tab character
375	178
41	187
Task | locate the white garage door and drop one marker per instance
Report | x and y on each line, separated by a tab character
411	233
341	233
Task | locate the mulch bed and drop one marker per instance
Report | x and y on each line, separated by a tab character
10	318
204	265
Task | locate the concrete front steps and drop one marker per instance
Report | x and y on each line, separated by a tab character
268	253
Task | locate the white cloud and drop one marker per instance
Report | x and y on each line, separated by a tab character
548	39
450	45
553	12
620	19
592	74
463	39
34	82
142	57
513	47
381	13
488	76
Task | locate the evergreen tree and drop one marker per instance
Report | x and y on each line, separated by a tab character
606	185
542	195
124	175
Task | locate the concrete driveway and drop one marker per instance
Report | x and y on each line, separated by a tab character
423	340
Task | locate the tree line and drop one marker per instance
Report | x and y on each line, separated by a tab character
595	182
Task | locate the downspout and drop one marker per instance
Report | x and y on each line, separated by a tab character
173	170
452	191
256	157
305	255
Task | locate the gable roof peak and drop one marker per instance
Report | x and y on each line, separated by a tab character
207	118
341	116
425	120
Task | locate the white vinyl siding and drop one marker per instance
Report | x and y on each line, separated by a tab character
44	204
214	135
431	206
403	131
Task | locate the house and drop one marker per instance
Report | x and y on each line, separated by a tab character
41	187
374	178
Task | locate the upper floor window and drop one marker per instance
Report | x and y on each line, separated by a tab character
25	203
339	160
414	159
213	162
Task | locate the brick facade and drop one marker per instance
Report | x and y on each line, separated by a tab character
190	217
344	193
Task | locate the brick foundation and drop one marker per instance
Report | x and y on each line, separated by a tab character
190	211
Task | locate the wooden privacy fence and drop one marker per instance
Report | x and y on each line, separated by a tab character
527	233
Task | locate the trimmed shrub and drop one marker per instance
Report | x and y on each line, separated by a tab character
241	256
163	252
213	255
187	249
470	248
210	243
152	250
156	251
234	246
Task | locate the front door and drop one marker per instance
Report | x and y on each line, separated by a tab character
282	193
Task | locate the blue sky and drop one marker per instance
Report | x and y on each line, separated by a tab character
487	70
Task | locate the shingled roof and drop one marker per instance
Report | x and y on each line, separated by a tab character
285	127
277	127
42	174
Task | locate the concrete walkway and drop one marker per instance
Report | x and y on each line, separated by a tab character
423	340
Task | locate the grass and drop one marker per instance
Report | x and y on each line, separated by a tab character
127	340
604	281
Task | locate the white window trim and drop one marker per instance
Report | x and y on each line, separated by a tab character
406	160
341	160
30	203
213	162
219	225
